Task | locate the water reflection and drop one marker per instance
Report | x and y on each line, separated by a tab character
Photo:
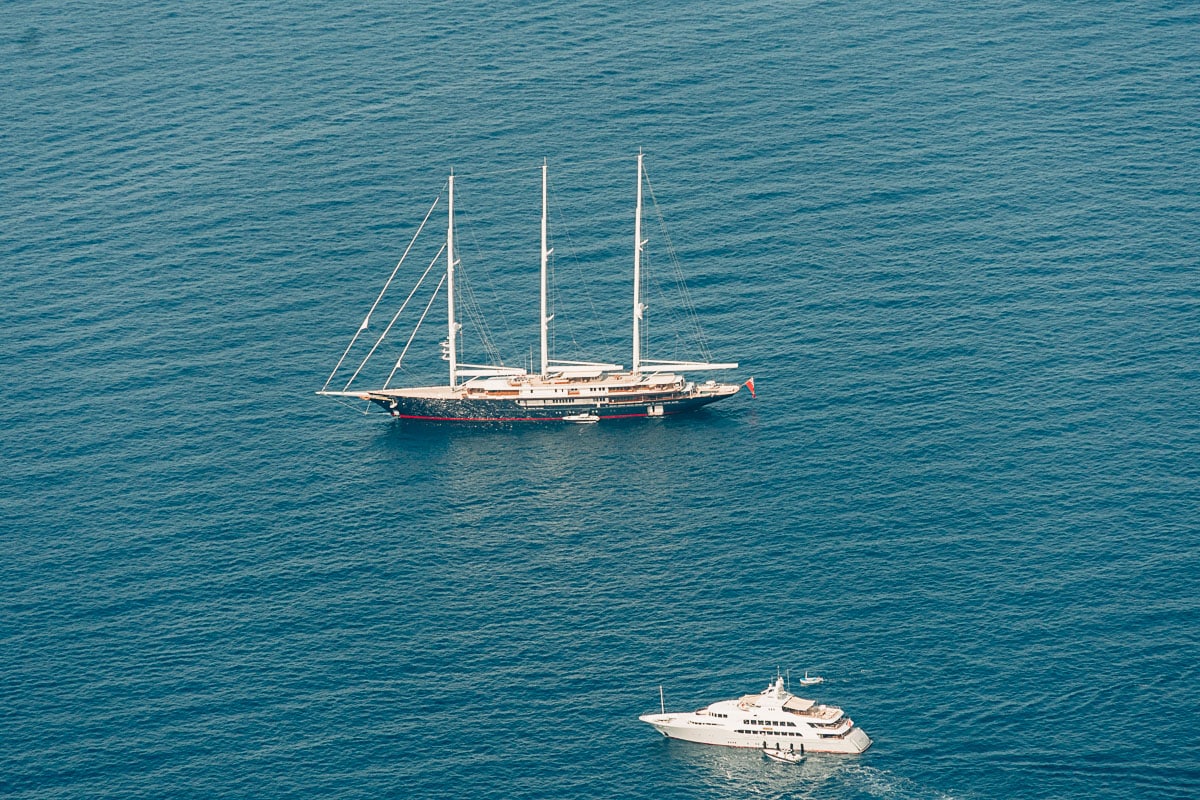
737	772
728	772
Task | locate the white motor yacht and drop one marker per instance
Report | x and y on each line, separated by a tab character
773	719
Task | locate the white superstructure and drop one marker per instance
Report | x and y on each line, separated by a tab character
773	718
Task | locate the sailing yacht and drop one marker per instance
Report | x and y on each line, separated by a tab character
772	719
559	389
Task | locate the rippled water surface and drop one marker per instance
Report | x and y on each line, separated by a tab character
954	245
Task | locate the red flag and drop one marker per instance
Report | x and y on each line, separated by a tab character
750	385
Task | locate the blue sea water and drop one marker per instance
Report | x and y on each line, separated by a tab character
955	244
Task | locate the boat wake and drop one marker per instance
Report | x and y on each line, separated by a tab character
869	781
738	773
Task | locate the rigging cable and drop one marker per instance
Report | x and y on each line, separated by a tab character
413	335
396	316
367	319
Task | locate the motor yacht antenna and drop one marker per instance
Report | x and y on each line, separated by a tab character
662	702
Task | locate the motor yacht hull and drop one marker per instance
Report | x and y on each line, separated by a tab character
686	728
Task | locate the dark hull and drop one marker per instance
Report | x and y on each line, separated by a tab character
480	410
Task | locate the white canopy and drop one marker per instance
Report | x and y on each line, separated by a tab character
794	703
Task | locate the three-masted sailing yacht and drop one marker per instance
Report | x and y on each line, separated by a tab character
560	389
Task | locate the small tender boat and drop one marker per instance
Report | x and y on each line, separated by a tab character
785	756
581	419
811	681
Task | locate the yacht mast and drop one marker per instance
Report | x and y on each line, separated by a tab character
452	347
638	308
544	318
